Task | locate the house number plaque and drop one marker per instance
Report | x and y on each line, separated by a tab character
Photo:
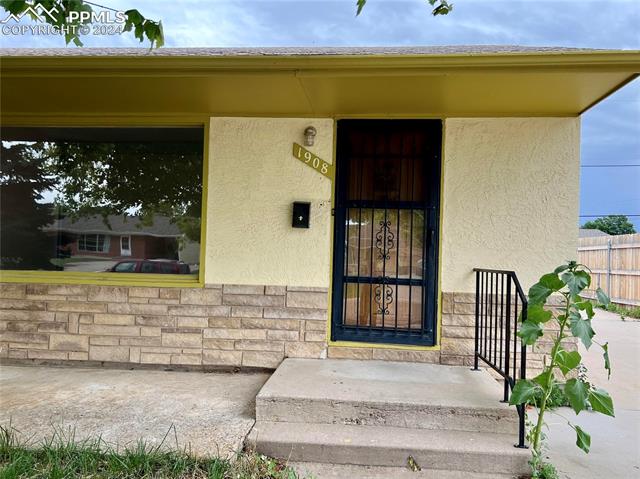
312	161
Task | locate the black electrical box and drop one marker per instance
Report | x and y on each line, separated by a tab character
301	214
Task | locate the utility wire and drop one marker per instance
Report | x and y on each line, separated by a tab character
601	216
609	166
100	6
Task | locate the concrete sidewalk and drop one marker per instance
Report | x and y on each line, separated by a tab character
211	412
615	442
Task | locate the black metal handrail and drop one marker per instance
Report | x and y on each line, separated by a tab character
501	306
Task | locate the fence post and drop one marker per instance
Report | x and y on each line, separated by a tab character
609	267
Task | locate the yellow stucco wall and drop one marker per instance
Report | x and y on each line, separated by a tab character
253	181
510	199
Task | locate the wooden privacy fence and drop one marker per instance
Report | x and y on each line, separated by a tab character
615	264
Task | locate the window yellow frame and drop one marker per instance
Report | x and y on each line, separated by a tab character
122	279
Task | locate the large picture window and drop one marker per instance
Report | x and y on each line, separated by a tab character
97	243
101	199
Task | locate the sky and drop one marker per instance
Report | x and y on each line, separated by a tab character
610	131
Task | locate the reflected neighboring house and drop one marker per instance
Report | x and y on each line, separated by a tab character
118	237
591	233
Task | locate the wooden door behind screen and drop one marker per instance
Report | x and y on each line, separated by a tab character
386	231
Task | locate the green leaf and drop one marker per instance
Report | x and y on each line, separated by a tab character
538	294
529	332
543	378
154	33
159	36
138	32
576	280
601	401
14	6
134	16
577	392
587	307
523	391
567	361
583	439
561	268
360	4
552	282
581	328
443	9
603	299
537	314
607	362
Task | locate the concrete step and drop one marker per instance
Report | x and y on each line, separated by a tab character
486	453
384	393
318	470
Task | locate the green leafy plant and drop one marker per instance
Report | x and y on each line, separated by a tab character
557	398
440	7
70	15
573	317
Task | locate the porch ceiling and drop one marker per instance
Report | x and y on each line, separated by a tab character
192	83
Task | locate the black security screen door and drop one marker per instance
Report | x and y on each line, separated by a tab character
386	231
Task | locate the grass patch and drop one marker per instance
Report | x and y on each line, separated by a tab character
624	311
63	457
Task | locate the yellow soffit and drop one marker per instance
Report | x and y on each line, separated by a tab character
436	85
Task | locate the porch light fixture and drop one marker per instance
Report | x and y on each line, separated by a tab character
309	135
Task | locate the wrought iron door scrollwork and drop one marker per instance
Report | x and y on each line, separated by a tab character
385	240
383	296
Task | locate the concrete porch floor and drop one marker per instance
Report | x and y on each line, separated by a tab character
385	381
211	412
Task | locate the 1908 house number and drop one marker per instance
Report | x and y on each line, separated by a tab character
313	161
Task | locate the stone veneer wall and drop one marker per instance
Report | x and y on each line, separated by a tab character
457	340
230	325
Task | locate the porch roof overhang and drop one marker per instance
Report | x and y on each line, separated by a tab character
386	82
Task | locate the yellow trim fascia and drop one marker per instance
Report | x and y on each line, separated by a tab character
16	118
53	119
404	347
106	65
443	139
619	86
204	202
334	161
117	279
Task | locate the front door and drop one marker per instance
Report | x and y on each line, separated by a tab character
125	245
386	231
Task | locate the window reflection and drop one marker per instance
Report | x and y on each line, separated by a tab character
101	199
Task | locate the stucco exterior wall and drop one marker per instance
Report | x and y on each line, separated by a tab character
510	197
509	200
253	181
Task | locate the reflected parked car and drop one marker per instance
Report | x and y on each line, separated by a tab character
157	266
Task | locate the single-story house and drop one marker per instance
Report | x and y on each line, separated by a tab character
344	196
118	237
591	233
